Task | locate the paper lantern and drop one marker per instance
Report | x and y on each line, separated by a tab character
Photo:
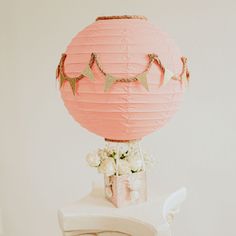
122	78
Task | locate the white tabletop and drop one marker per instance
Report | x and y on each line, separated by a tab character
94	213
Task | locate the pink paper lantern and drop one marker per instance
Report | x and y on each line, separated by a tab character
127	110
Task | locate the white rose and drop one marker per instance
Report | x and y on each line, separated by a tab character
123	167
149	160
136	164
111	152
107	167
102	153
93	159
134	155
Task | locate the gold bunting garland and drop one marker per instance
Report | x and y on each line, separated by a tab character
110	79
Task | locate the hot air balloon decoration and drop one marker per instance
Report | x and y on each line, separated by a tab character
122	78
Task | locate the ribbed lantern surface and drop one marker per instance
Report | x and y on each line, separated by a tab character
127	110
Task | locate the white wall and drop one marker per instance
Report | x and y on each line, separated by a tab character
42	164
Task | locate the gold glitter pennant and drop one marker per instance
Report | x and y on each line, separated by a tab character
87	72
185	76
73	84
143	80
62	79
167	76
109	80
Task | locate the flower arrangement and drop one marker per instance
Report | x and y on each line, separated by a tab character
123	166
110	161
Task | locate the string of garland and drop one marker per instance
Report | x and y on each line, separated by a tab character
110	79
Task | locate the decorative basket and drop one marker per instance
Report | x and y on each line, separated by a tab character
123	165
126	190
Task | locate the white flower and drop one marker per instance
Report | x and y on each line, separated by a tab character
135	161
148	159
102	153
136	164
93	159
123	167
111	152
107	167
132	153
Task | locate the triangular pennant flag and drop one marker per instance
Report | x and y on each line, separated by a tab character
184	78
109	80
167	76
62	79
185	75
72	82
143	80
87	72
